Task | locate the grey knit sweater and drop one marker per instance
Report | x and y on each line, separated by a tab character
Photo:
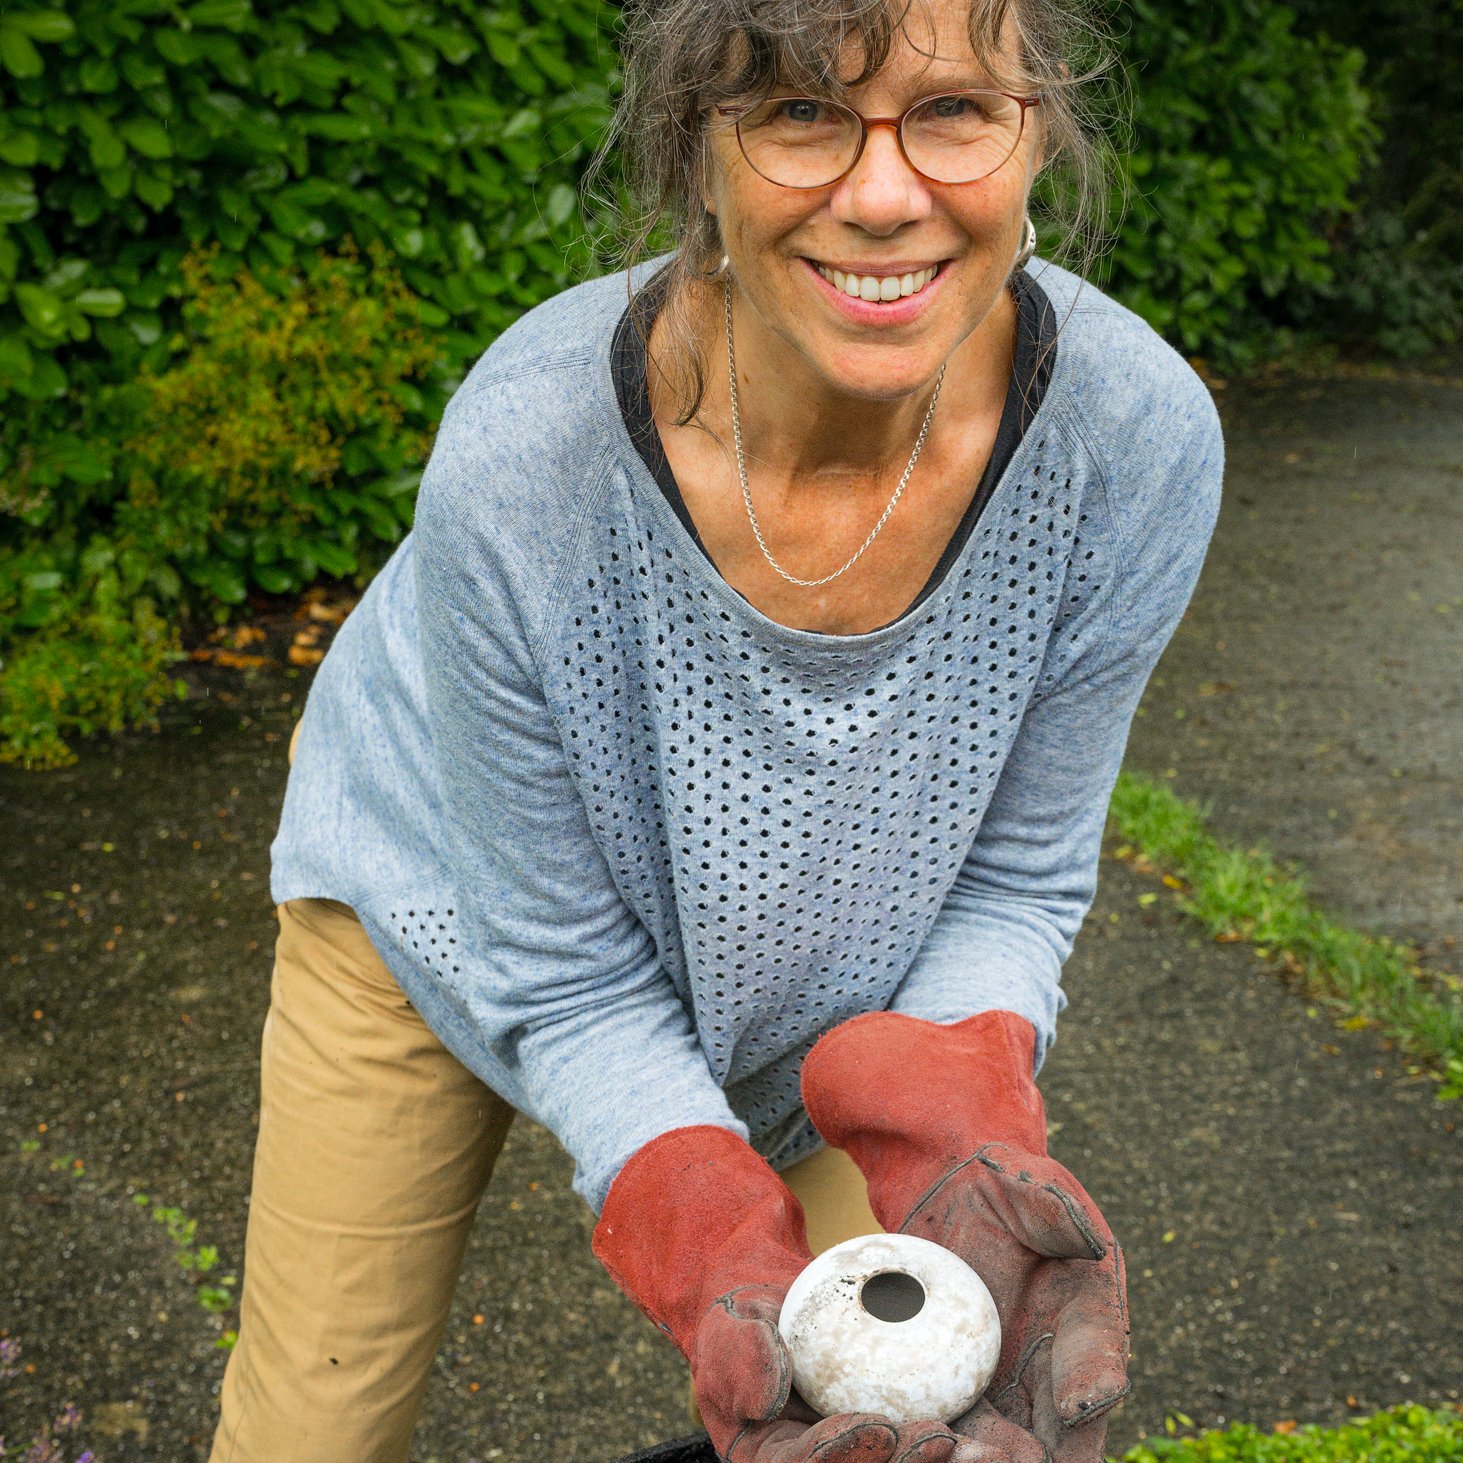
630	846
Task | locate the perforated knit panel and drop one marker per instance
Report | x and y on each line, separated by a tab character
629	846
786	811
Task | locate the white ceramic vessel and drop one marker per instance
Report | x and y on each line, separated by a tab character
894	1325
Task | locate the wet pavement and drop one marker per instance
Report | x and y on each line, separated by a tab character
1286	1192
1314	692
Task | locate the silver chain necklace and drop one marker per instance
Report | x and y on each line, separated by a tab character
731	362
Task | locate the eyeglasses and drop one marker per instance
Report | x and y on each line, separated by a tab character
807	142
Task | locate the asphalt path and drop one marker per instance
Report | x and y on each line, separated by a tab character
1286	1192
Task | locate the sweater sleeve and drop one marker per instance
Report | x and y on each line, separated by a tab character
1009	920
581	1019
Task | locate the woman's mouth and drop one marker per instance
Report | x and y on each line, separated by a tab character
873	288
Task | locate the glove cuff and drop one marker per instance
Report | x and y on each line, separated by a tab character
694	1213
909	1099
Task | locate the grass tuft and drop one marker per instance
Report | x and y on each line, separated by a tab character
1405	1434
1245	895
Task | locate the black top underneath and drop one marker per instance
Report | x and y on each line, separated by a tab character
1031	370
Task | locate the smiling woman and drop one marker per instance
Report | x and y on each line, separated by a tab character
690	64
717	773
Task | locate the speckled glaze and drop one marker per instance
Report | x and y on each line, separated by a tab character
934	1365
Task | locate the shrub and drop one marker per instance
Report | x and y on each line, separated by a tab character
1249	137
289	438
91	670
204	387
284	441
446	135
1399	277
450	132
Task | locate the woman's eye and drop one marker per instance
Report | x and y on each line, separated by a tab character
801	109
953	106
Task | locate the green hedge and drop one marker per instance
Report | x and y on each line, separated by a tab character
1398	281
246	255
444	139
1250	135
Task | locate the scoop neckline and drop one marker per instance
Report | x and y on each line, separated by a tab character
643	482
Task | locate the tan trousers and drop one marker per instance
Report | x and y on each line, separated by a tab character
375	1145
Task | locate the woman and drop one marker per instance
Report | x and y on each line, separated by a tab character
718	770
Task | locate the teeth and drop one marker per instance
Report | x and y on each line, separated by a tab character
878	287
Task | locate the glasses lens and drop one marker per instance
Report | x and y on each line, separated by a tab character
798	141
962	137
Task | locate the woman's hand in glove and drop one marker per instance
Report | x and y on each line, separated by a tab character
947	1127
701	1234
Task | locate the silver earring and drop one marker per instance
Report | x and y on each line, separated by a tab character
719	271
1027	251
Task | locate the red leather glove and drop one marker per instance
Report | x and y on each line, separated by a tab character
701	1234
948	1129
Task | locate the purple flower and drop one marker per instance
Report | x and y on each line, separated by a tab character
67	1419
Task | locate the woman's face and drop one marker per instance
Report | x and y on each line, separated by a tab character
881	219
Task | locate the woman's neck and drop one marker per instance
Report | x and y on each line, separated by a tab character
803	438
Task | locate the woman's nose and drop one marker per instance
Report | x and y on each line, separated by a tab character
882	192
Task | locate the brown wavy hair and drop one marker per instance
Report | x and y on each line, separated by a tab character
681	58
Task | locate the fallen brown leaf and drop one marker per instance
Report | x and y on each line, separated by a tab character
304	655
232	659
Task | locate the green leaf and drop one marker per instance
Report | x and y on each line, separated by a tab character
17	55
334	559
117	181
107	151
48	382
98	74
232	15
16	206
156	192
140	70
80	462
21	149
165	579
15	356
148	136
339	127
42	309
220	579
43	25
64	274
560	204
272	579
467	245
107	303
503	49
178	47
146	325
410	242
